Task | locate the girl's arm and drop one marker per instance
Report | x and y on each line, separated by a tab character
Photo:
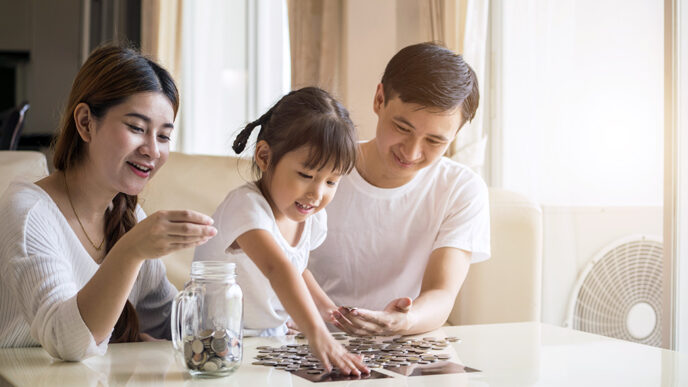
293	293
291	290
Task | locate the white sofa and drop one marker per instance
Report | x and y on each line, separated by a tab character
505	288
21	165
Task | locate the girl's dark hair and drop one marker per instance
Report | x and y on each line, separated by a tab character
308	116
110	75
431	75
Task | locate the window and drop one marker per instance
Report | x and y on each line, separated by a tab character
235	66
578	125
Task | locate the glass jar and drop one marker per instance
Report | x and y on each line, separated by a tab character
207	320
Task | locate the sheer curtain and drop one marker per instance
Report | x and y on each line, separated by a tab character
462	25
230	60
161	39
469	146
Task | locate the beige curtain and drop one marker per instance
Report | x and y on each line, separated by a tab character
161	39
315	36
161	32
462	26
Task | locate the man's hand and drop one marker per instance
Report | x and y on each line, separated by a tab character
393	320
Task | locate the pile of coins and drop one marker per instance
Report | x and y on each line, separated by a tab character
390	353
212	351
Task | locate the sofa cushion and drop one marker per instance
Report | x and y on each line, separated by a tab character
193	182
26	166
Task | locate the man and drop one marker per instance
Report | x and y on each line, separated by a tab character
406	223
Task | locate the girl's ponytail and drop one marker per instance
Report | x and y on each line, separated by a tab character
242	138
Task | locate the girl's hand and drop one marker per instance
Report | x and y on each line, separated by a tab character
332	353
166	231
292	328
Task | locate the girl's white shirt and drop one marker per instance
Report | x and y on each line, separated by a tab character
242	210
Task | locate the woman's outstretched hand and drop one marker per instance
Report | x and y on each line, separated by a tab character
164	232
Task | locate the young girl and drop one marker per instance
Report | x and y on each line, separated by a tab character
268	227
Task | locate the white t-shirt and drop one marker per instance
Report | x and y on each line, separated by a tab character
242	210
42	267
379	240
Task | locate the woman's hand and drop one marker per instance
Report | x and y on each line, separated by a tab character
166	231
393	320
332	353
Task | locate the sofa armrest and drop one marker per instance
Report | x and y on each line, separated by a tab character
28	166
507	287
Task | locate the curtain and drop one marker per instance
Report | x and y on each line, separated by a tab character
161	39
462	25
315	35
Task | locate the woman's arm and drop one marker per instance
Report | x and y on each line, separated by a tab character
101	300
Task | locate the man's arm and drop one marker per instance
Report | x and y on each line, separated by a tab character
444	274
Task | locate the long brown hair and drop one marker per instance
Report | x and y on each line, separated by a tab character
110	75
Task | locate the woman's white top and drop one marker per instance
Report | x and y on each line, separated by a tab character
245	209
42	267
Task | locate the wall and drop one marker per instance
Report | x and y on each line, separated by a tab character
369	42
574	235
373	32
51	32
54	35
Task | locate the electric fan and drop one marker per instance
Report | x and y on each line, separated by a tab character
619	292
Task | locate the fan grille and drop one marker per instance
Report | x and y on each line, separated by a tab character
627	275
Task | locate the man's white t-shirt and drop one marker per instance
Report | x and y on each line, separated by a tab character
242	210
380	240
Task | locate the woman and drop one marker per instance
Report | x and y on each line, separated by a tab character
76	252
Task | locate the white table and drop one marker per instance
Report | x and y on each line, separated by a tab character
520	354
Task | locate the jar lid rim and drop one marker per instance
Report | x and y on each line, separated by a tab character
212	268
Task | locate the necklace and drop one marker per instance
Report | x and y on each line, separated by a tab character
100	246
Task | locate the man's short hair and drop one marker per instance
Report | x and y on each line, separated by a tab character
431	75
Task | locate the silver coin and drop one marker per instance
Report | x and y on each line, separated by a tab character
197	346
219	346
210	366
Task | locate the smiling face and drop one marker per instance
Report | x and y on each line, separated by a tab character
129	143
409	138
296	191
